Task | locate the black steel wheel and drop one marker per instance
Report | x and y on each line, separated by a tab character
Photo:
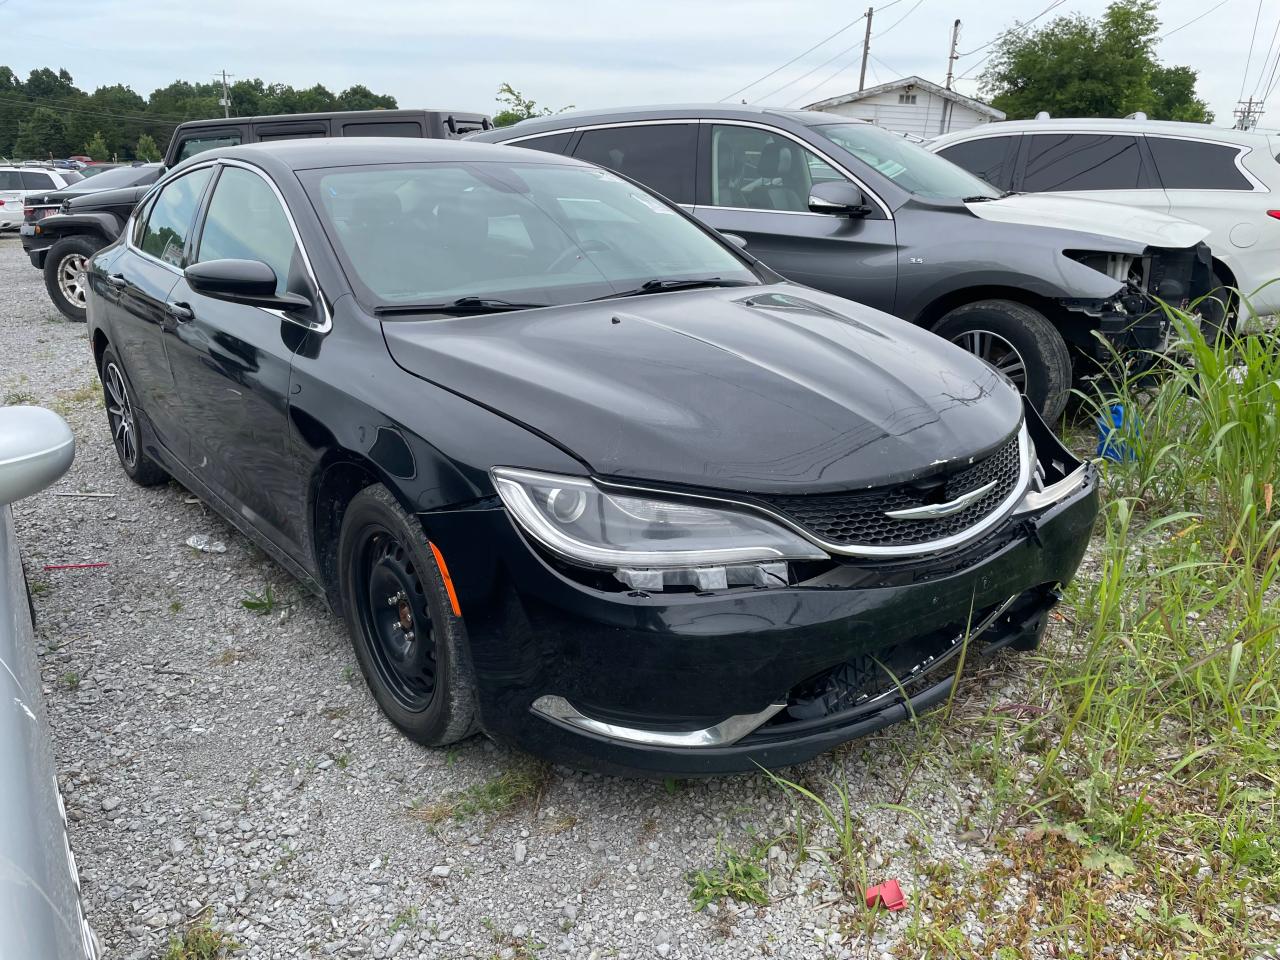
126	427
410	643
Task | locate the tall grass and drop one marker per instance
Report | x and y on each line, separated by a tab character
1152	749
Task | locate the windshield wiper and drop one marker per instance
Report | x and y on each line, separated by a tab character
461	305
662	286
980	198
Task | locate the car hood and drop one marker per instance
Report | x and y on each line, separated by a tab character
109	198
779	389
1091	216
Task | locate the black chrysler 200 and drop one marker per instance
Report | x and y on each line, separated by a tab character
576	470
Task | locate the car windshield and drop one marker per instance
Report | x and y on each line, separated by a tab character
524	233
909	166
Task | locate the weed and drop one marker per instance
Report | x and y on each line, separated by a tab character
349	675
39	588
497	796
175	606
260	603
71	679
408	917
343	760
200	941
738	877
19	398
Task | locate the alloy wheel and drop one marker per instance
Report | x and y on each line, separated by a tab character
71	279
120	416
996	352
396	620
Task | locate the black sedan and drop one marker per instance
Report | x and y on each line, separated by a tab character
576	470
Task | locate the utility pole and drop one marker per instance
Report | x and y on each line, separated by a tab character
1248	113
952	57
226	95
866	50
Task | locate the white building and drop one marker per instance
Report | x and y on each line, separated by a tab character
912	106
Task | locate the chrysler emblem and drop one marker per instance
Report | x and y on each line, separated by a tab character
932	510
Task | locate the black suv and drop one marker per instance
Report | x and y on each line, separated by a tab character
60	243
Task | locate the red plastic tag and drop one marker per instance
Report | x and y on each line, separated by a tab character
888	893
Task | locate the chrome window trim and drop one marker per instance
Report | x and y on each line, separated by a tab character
327	323
1006	508
884	208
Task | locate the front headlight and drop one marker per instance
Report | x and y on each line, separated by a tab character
647	542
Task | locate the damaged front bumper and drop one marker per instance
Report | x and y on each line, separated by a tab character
722	681
1134	319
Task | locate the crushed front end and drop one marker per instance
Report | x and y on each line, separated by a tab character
716	671
1134	319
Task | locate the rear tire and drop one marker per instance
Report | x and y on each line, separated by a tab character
64	275
1021	343
126	426
411	646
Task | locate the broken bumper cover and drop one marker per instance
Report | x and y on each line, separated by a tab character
687	684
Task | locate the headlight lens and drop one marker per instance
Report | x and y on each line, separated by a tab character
578	521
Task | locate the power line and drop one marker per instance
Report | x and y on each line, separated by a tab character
825	80
1249	59
1015	27
1199	16
1263	72
56	103
92	113
876	36
805	53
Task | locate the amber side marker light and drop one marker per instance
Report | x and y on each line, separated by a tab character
448	580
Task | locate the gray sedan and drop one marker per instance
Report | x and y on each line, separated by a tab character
40	913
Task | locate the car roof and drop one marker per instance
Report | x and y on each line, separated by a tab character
1201	131
359	151
325	115
672	111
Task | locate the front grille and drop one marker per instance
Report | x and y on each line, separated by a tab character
858	519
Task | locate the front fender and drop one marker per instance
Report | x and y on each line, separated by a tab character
58	225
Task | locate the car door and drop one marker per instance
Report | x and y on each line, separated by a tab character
137	296
232	361
1092	166
754	182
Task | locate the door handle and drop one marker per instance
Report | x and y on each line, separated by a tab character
179	311
117	280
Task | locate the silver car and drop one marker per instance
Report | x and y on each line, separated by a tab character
40	912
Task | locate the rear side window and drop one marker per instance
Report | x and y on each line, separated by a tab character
990	158
1083	161
389	128
1193	165
193	145
10	180
659	155
34	180
551	143
169	222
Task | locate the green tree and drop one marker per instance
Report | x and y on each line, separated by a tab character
146	149
518	107
1077	66
42	135
360	97
97	147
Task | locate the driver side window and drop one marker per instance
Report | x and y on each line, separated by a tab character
761	170
246	222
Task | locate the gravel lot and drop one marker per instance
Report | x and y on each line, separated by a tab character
213	759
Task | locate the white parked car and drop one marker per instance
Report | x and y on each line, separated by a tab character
1225	180
19	182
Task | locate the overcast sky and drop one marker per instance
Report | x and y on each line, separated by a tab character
591	54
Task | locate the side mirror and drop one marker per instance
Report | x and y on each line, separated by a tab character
36	448
737	241
838	198
250	282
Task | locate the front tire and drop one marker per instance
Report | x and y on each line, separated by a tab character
126	427
411	646
64	275
1020	343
